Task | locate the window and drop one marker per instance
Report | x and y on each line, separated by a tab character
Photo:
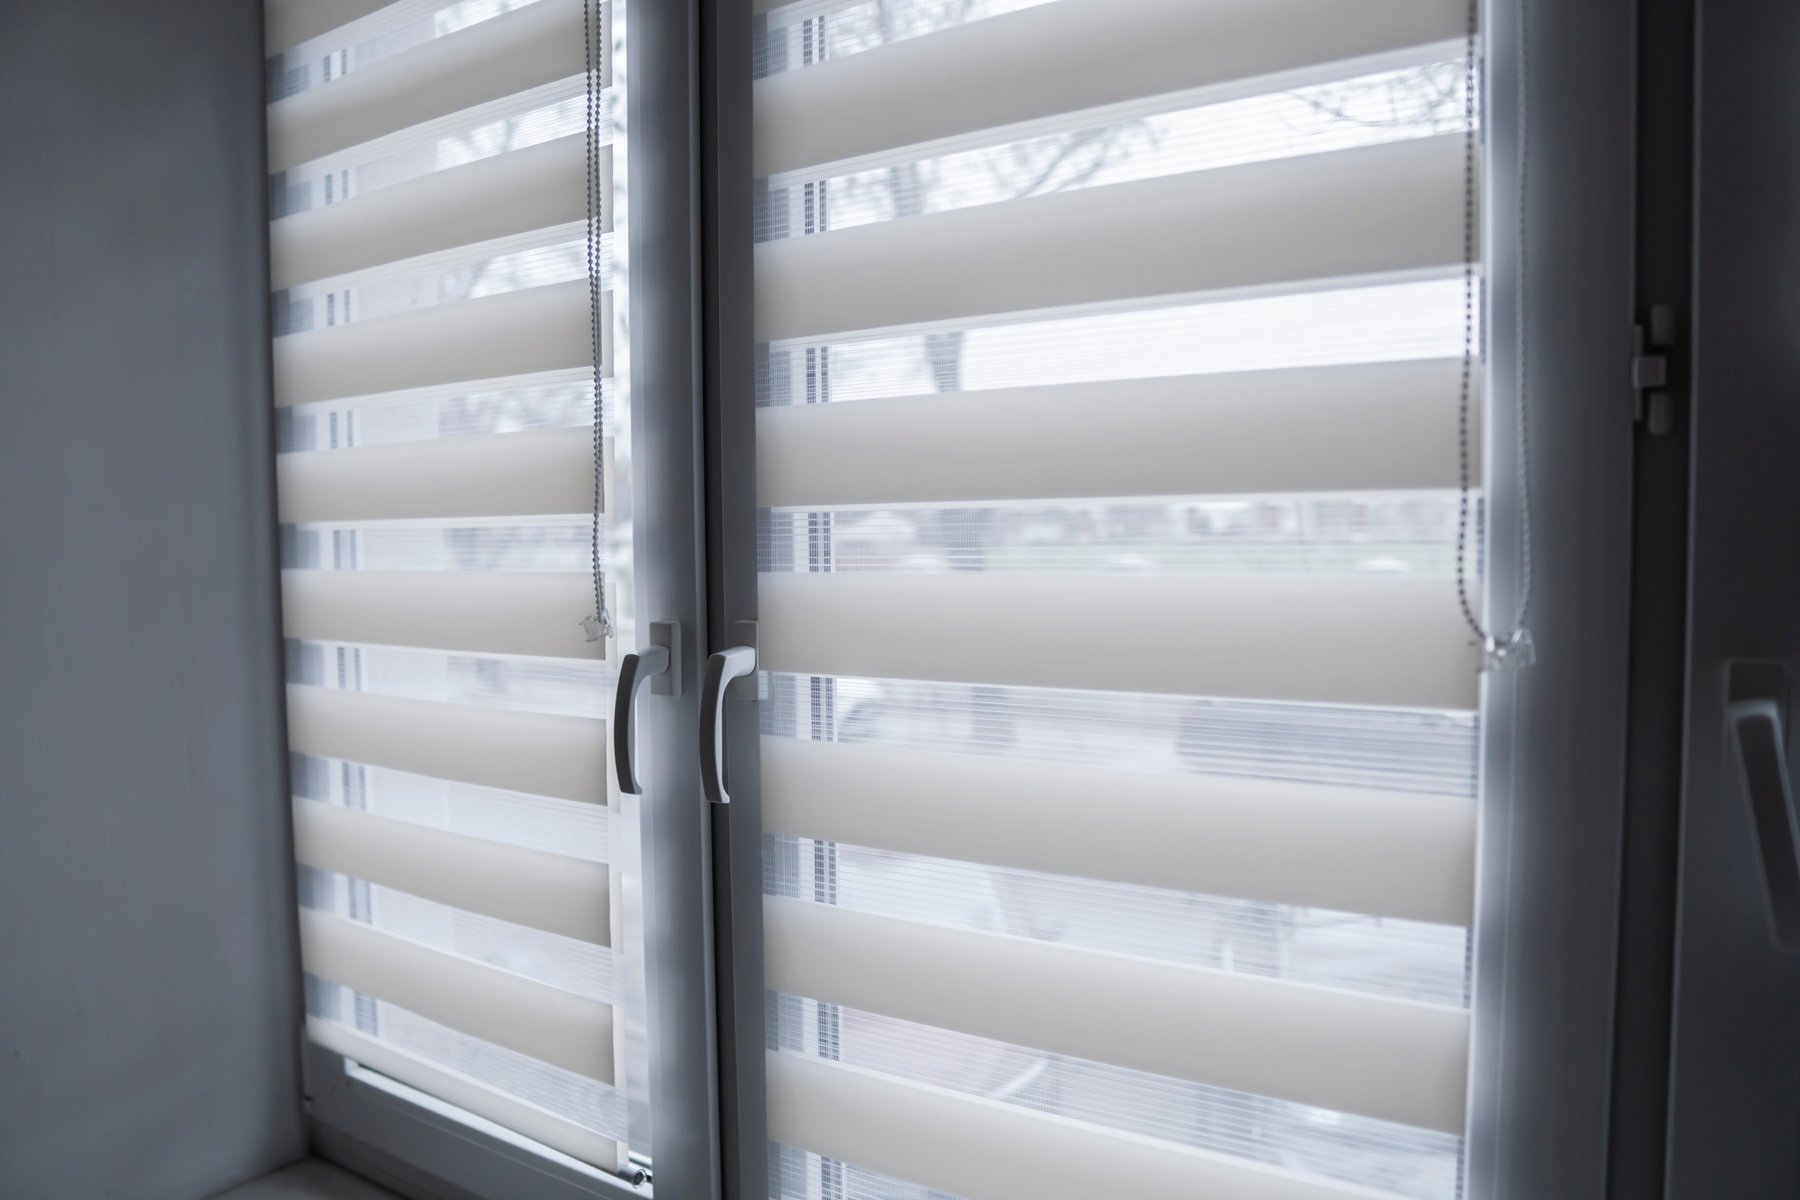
467	873
1118	716
1114	378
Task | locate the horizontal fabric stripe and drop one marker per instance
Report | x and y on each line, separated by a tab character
546	1023
1357	850
983	1150
465	1092
1389	642
1390	210
1382	426
544	754
552	892
547	328
1068	56
1393	1060
289	22
539	43
468	612
516	192
535	473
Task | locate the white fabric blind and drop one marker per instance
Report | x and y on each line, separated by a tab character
435	374
461	1089
544	754
987	1148
1391	1059
1361	427
529	45
530	188
1069	56
477	612
1381	210
1118	759
287	23
547	1023
1307	844
514	333
552	892
539	473
1338	641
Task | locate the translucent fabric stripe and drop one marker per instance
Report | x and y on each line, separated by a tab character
561	1028
470	612
552	892
529	473
1381	426
1392	1060
1384	211
545	328
535	44
529	188
978	1149
542	754
290	22
1068	56
1397	1160
1387	642
1350	849
464	1091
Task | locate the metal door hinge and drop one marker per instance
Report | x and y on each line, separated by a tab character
635	1170
1652	403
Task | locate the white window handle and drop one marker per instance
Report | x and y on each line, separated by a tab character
721	668
659	661
634	671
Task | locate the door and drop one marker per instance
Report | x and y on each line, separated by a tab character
1735	1086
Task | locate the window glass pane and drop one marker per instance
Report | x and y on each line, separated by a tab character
1363	757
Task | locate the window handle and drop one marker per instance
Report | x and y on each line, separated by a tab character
721	668
658	661
1759	734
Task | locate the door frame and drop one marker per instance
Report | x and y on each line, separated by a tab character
408	1142
1556	738
1572	922
727	320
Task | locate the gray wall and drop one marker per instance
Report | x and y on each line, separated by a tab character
148	995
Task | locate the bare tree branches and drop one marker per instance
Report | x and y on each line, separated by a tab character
1428	98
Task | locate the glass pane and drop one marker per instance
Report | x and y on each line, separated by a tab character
1363	751
596	831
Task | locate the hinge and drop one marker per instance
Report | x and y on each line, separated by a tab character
636	1171
308	1085
1652	403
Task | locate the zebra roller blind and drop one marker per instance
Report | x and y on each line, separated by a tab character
462	862
1118	747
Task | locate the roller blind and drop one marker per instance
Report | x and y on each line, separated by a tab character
1118	715
437	325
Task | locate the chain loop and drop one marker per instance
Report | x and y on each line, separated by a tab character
599	624
1513	649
